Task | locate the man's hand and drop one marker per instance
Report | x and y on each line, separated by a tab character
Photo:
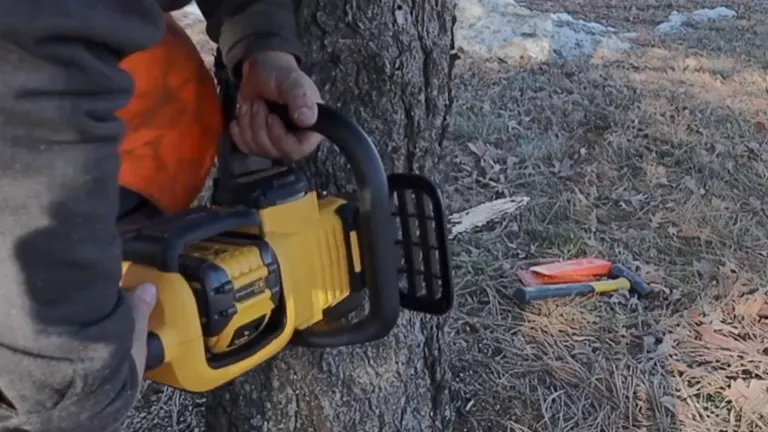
276	77
142	301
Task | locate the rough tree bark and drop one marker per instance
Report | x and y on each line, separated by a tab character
387	63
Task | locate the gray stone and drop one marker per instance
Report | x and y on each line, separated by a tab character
505	30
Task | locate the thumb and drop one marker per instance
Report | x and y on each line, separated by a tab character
298	92
142	301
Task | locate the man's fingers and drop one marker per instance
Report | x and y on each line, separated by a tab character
243	125
250	130
287	143
299	93
237	137
309	142
264	134
262	145
293	146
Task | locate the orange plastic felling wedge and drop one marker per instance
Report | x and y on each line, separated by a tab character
173	122
529	278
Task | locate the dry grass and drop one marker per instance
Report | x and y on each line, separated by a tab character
656	159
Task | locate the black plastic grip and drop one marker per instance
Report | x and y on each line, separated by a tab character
160	242
155	352
636	284
376	234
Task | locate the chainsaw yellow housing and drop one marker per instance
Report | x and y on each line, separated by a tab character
233	299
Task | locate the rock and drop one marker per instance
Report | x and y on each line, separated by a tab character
191	18
505	30
189	14
678	22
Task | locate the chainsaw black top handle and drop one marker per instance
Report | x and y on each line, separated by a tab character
376	232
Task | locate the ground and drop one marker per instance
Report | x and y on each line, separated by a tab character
655	158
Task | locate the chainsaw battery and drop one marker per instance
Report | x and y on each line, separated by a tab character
233	279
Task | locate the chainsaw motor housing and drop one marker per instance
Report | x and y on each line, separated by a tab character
236	285
273	262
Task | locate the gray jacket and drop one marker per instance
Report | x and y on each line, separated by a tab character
65	329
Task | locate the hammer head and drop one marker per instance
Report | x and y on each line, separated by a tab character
636	284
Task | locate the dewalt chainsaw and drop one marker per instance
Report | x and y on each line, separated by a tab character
273	262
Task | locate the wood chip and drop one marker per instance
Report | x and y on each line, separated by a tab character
484	213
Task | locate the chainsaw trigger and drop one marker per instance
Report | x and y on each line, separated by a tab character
424	266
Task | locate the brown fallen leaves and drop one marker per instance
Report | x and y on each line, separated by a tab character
750	307
731	339
735	282
751	396
743	352
713	339
682	229
726	278
681	409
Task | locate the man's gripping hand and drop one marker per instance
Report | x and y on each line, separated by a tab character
276	77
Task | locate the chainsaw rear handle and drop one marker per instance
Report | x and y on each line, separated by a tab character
160	244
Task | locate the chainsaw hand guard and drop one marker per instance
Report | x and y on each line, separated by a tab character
424	266
376	233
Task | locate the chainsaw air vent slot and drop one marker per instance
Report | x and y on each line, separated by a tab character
424	262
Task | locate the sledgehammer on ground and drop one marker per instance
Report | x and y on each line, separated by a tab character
621	278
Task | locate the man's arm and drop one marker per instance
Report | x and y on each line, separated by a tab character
65	338
243	28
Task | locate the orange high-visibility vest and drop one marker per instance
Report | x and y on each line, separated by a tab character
173	122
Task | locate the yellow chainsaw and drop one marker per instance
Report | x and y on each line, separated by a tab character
274	262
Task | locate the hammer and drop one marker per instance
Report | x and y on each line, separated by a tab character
621	278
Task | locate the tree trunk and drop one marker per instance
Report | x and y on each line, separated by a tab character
387	64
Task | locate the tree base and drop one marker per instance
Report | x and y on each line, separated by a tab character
386	64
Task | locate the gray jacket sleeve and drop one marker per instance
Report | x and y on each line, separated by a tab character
245	27
66	331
